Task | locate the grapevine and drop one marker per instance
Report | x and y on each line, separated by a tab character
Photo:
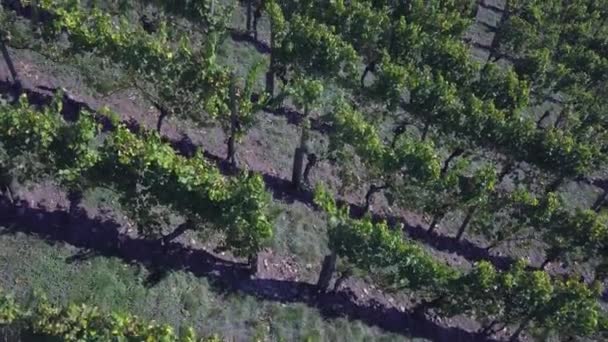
237	206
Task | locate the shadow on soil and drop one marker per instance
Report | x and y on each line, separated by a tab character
99	237
242	36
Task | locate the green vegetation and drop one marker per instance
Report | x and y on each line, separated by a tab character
32	266
387	105
144	170
83	323
517	296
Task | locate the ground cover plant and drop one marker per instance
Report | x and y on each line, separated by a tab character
434	169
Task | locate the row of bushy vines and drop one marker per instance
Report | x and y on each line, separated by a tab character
408	165
448	91
43	320
145	170
527	299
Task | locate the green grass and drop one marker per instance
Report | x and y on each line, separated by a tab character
302	233
241	56
28	264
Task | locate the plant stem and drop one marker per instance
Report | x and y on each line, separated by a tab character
327	271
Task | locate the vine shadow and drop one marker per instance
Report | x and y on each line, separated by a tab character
101	237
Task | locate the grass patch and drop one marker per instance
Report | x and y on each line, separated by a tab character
301	232
28	264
